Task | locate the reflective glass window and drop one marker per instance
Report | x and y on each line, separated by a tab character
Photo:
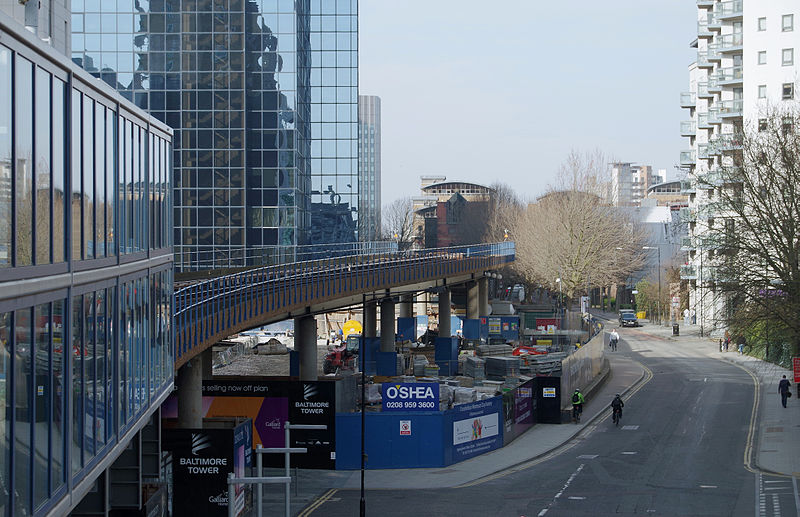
76	175
134	180
5	158
109	180
100	179
59	172
76	415
88	205
100	356
42	161
42	400
5	404
112	352
57	430
89	368
23	383
23	170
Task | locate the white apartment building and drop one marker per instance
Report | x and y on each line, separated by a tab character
747	57
630	182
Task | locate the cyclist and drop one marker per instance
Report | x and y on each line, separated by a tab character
577	405
616	408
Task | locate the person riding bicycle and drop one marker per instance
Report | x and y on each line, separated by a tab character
577	403
617	405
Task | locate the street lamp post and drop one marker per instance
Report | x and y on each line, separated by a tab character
657	248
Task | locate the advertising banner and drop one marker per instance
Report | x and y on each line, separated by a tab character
270	403
494	325
476	428
518	411
201	462
410	396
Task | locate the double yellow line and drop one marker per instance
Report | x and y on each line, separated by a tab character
319	502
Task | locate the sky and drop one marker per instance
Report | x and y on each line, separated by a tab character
502	91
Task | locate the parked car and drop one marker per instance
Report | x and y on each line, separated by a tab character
628	319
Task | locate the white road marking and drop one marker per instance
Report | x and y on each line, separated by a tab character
629	452
759	502
796	496
708	486
576	498
563	488
630	427
587	456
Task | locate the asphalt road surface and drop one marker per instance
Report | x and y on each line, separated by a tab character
682	448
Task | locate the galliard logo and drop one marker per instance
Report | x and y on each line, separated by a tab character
200	441
309	391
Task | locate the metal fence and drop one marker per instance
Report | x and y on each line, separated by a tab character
208	311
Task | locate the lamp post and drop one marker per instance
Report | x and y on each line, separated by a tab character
658	248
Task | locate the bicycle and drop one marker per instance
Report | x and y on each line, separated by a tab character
616	415
577	409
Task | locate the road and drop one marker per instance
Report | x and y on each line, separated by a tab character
683	448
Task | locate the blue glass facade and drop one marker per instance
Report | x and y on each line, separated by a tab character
86	350
247	85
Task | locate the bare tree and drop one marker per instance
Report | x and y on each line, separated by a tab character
572	234
397	218
504	209
586	171
753	231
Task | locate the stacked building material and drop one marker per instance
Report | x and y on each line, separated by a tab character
499	368
549	364
475	367
493	350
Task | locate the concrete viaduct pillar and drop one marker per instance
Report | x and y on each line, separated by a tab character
406	306
483	296
472	300
370	318
305	343
190	394
444	313
387	325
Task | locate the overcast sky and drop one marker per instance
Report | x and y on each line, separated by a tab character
484	91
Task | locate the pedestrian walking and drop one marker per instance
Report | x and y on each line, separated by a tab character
783	389
613	340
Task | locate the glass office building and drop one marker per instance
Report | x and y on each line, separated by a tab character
262	95
86	352
369	167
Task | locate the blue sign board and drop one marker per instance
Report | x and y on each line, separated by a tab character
477	428
410	396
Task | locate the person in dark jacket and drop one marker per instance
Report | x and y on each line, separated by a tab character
783	389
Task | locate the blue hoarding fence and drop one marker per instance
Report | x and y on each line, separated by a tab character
412	439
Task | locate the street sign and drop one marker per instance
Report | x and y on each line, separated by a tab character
796	365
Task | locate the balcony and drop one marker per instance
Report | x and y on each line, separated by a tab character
705	3
688	273
709	179
730	76
688	128
688	158
702	91
714	23
688	100
730	43
713	116
729	10
729	142
702	151
713	85
702	121
687	187
687	215
703	30
731	108
703	60
713	52
687	243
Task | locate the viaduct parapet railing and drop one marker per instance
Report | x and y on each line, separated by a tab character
209	311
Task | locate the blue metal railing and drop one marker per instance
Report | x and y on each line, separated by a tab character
208	311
